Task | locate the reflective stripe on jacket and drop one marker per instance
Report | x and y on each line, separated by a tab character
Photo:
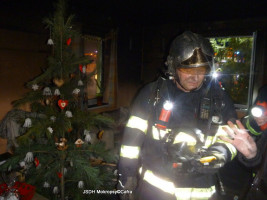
179	193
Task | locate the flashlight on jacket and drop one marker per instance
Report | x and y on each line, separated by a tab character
259	110
165	114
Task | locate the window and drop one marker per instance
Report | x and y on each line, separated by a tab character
234	61
102	72
93	48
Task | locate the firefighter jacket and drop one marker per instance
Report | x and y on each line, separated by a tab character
142	147
256	131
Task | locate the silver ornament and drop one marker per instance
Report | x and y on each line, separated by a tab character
55	190
56	92
22	164
87	136
80	83
46	184
76	91
68	114
80	184
47	91
50	129
50	42
29	157
35	87
65	171
84	69
27	123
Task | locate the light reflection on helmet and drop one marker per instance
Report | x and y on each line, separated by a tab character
189	50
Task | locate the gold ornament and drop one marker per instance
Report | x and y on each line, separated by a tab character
47	102
100	134
62	144
58	82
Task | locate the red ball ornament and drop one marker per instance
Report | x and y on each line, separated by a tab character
62	103
68	41
82	68
59	174
36	162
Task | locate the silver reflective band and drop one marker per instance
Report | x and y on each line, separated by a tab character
137	122
209	141
166	186
194	193
252	129
131	152
180	193
158	133
184	137
230	147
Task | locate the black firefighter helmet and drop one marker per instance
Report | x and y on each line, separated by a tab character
189	50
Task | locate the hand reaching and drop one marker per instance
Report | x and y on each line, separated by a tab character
241	139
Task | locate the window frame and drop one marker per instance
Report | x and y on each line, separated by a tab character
250	95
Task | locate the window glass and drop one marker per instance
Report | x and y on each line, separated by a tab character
233	64
93	48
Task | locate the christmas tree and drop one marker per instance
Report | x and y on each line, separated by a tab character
55	152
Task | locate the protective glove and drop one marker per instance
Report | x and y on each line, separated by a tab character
128	183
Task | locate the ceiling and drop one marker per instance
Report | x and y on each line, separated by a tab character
27	15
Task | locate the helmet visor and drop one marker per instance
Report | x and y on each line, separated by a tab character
194	70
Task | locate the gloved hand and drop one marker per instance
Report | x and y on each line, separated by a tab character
128	183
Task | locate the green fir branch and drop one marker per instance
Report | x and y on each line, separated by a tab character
30	97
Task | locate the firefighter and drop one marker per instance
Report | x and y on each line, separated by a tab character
171	147
253	131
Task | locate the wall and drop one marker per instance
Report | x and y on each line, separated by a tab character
22	55
130	63
141	55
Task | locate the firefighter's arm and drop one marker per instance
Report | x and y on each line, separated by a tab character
134	134
133	137
129	158
240	139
